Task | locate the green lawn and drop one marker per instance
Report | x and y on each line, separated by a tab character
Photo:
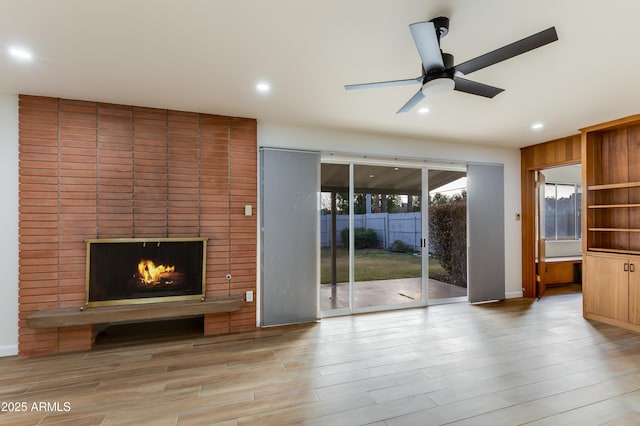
374	264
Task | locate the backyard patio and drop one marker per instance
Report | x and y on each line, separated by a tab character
384	292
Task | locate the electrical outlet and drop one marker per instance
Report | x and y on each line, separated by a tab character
249	296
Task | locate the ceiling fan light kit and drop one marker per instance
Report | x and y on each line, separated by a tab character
440	75
438	86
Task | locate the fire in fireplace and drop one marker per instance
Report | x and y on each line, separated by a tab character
150	274
126	271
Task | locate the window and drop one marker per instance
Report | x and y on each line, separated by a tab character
562	211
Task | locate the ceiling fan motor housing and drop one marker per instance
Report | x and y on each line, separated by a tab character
447	59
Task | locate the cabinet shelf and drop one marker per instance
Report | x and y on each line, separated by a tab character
610	250
614	229
613	186
613	206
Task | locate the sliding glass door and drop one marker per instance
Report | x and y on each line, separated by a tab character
447	236
379	249
335	291
387	237
390	235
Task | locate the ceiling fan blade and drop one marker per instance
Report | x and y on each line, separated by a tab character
426	40
509	51
475	88
384	83
412	102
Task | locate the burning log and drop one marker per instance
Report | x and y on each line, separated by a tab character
149	273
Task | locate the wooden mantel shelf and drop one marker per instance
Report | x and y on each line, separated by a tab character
68	317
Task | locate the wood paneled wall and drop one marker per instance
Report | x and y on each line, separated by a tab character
558	152
95	170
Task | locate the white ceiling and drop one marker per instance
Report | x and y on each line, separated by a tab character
207	56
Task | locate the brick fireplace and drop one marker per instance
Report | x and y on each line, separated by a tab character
93	170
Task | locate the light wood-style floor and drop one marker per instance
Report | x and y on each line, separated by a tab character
514	362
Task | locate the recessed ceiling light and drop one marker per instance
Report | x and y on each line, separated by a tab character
370	176
423	110
20	53
537	126
263	87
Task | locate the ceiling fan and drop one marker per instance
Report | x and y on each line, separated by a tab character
439	75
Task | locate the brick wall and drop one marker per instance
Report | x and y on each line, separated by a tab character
94	170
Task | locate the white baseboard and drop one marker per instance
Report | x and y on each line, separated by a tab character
513	294
9	350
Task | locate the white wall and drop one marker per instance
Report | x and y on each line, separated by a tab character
9	225
345	142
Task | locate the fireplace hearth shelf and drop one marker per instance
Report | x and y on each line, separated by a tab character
69	317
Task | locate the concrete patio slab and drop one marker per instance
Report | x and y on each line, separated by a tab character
384	292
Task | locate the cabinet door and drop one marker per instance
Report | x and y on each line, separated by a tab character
606	287
634	291
559	272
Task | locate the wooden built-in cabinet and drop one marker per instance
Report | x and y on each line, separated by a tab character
611	222
606	287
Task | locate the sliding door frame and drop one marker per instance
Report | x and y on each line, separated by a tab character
424	166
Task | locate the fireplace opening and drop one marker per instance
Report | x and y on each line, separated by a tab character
127	271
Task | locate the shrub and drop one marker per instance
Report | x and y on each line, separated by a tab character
448	236
400	247
363	238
